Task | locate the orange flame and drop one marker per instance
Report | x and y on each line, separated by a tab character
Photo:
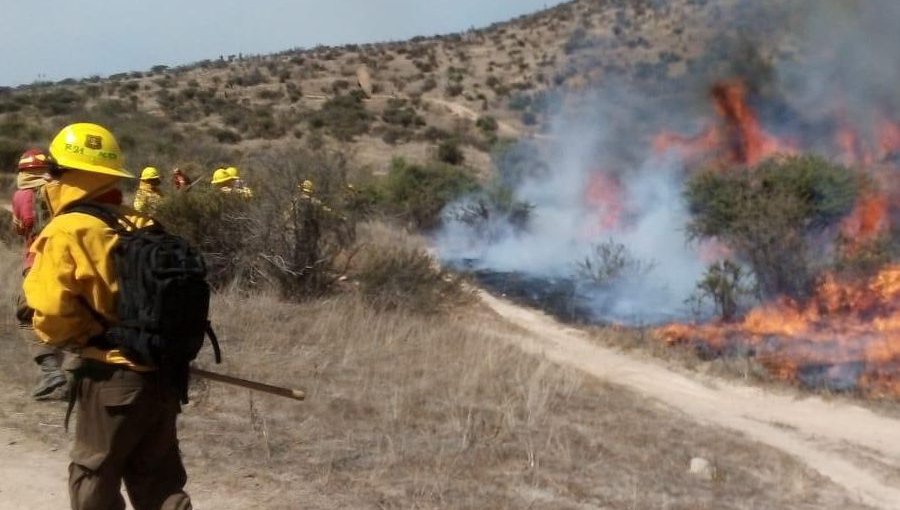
737	139
867	222
604	195
844	323
846	330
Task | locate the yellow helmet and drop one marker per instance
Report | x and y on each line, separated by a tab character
233	172
88	147
150	173
220	176
307	186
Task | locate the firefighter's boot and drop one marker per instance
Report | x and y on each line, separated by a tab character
53	383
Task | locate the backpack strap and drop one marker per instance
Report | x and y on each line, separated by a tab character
104	213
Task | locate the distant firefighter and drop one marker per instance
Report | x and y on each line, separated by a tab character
180	181
30	215
148	195
228	180
238	184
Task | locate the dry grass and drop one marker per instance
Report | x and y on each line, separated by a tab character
410	411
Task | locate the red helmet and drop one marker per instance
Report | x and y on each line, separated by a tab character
34	159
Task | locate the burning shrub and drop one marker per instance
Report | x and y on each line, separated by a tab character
771	214
494	205
725	284
610	262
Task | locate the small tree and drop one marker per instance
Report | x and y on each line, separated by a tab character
725	284
770	214
610	262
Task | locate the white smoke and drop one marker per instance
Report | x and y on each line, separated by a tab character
565	224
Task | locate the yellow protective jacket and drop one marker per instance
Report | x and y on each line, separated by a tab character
147	197
73	276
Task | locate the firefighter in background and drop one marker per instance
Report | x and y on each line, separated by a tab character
148	195
30	215
222	180
180	181
308	194
238	184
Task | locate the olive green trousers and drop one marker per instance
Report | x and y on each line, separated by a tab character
125	432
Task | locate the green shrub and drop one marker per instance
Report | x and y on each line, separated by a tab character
224	135
487	124
10	150
345	116
59	101
448	151
453	90
769	214
217	224
399	113
418	193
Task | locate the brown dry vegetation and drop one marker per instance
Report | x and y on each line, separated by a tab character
413	411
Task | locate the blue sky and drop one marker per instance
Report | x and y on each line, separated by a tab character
54	39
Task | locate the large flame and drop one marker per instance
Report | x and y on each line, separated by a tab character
847	335
736	138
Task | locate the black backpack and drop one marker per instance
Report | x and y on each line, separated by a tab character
163	300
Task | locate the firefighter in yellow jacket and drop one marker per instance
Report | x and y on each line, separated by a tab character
148	194
126	413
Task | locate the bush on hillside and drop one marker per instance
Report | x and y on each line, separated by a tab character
398	112
303	243
406	278
295	244
59	101
770	214
449	151
345	116
217	224
418	193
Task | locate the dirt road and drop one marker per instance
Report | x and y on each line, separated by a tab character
33	476
852	446
30	474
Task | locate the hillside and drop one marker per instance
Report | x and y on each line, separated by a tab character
502	81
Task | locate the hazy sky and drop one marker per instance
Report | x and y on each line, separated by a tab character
56	39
